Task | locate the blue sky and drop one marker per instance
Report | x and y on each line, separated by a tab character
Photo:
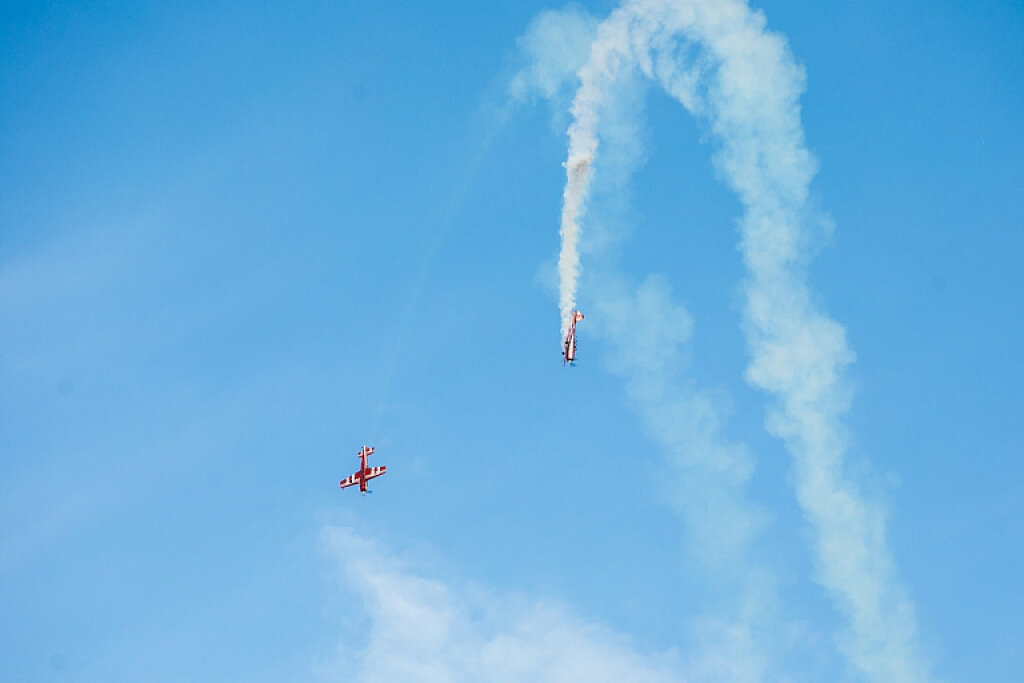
238	242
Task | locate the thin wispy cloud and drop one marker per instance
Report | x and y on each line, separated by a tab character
422	629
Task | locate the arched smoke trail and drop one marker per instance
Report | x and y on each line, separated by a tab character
737	634
717	58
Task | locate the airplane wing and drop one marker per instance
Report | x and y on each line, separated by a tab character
351	481
375	471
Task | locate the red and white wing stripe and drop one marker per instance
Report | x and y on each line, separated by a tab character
372	472
350	481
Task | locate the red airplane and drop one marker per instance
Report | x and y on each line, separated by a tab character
365	473
569	345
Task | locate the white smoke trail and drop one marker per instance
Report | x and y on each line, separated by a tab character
745	635
611	53
578	171
744	82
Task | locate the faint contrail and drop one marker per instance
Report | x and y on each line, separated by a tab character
743	80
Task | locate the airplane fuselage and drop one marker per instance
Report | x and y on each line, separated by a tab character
570	348
569	344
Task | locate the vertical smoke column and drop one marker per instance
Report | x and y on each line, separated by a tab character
610	53
573	199
798	354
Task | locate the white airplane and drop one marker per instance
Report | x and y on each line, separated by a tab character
569	345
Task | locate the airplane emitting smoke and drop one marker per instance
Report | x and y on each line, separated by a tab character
742	80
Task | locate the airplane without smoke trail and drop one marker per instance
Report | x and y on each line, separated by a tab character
569	344
365	473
